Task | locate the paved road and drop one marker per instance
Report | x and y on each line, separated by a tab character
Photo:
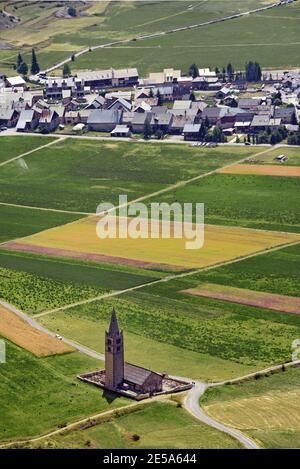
158	34
193	406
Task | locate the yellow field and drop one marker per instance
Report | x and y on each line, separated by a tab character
21	333
274	410
262	170
220	244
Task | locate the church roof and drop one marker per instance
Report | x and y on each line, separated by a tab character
113	326
136	374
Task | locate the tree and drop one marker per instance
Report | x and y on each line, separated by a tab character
192	96
217	71
34	63
159	98
19	60
66	71
194	71
73	57
147	129
253	71
72	11
22	68
230	71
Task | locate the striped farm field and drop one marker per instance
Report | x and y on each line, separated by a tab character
23	334
221	244
267	409
263	170
286	304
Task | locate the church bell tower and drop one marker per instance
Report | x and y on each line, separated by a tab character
114	354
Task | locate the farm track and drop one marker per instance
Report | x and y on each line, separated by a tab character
159	34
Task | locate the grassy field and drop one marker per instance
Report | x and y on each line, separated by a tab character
159	425
237	334
14	146
220	244
211	45
244	200
266	409
40	394
21	333
293	155
37	283
16	222
92	172
274	272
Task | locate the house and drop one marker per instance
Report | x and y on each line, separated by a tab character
191	132
260	123
83	115
119	104
49	120
142	107
138	121
104	120
166	92
60	111
15	82
168	75
28	121
286	114
161	122
71	117
8	117
212	114
182	104
223	93
107	78
59	88
178	123
97	103
243	122
120	131
249	103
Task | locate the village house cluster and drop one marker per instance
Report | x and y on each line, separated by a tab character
120	103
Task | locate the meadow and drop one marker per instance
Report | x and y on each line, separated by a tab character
158	425
35	284
17	221
92	172
212	45
266	409
41	394
244	200
292	154
274	272
249	337
14	146
216	244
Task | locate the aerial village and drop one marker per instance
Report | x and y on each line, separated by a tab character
204	106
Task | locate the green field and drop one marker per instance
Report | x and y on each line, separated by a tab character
92	172
159	425
266	409
275	272
293	155
212	45
244	200
35	284
230	339
14	146
40	394
16	222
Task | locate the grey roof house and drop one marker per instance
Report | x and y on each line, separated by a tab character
104	120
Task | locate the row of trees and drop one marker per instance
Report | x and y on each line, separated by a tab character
252	72
22	67
266	137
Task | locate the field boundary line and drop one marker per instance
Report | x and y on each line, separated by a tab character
45	209
32	151
166	279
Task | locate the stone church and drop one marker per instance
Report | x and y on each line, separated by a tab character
121	375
